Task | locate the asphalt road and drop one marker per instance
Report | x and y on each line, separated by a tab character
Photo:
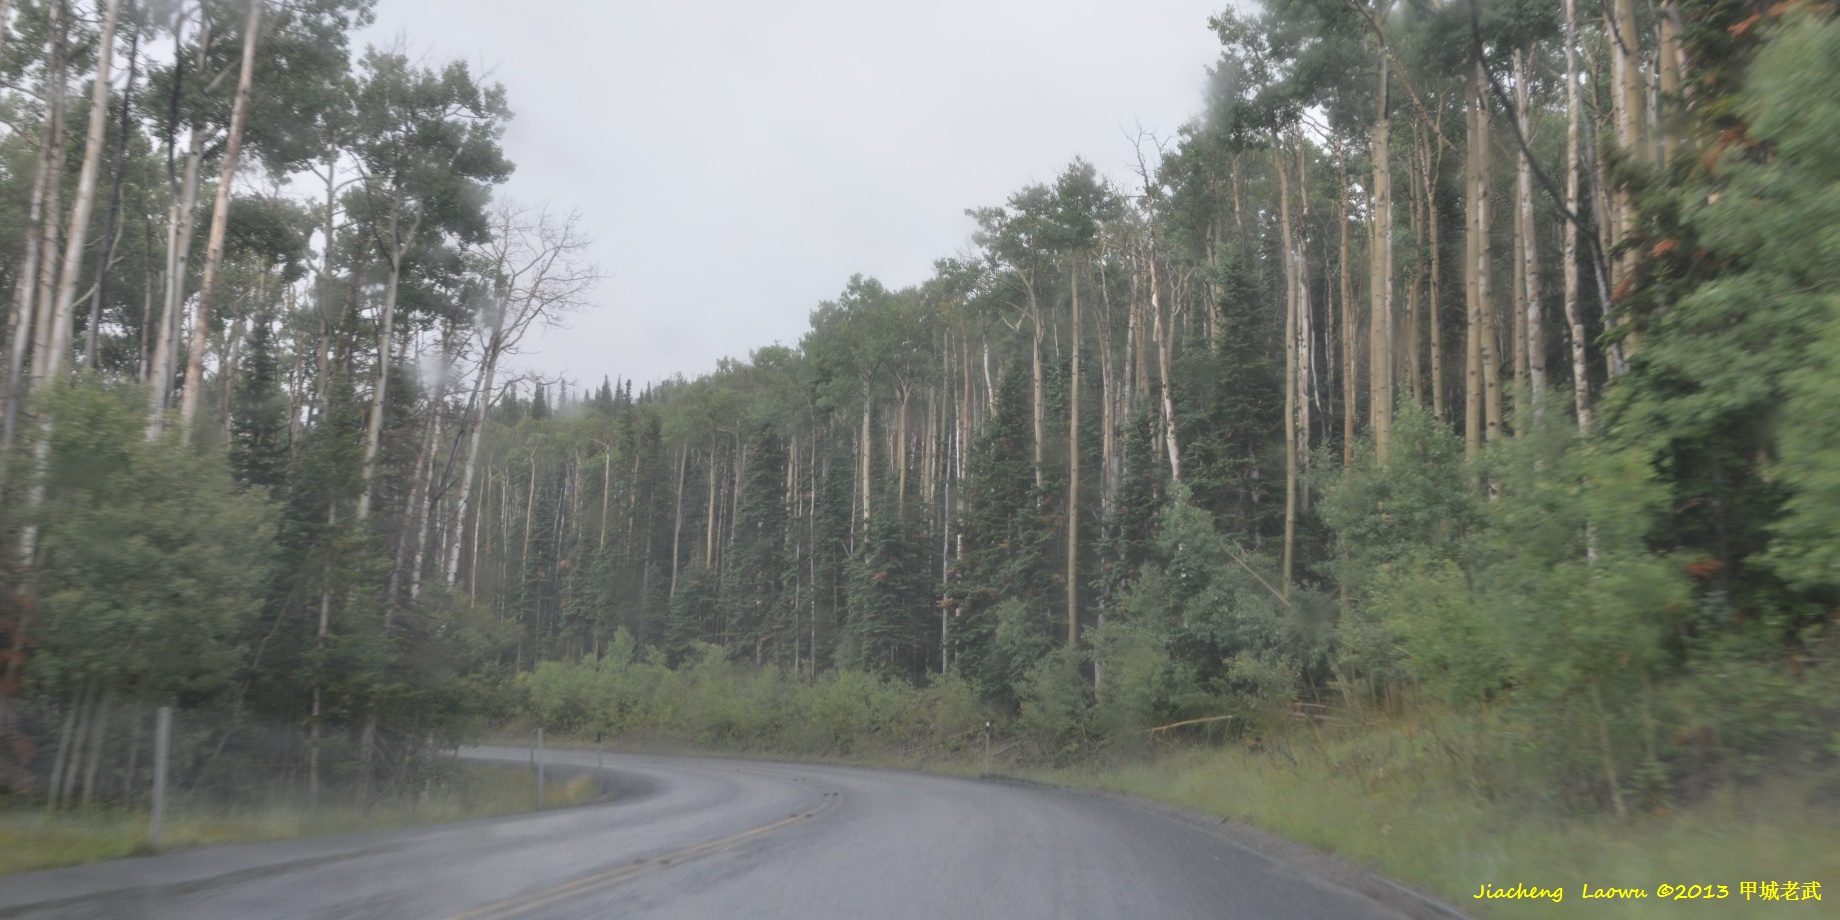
693	838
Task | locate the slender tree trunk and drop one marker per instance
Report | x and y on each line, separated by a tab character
1473	306
709	511
1381	373
1415	289
380	393
1163	334
1301	343
220	217
44	369
1288	248
533	618
606	492
420	482
145	356
1434	154
45	309
1626	110
899	454
1667	71
428	501
677	530
1108	396
321	634
1521	388
1535	320
78	229
181	223
481	401
867	447
178	245
1490	353
322	355
122	128
1037	404
63	750
97	735
232	356
26	287
1350	354
1581	381
1073	467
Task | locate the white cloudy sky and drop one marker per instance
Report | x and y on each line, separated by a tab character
737	160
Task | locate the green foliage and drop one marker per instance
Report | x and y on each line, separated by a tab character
1417	505
1793	242
1450	644
712	700
153	562
1056	702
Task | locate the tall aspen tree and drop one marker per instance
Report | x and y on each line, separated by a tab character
1626	91
45	299
1667	73
1350	354
181	221
124	129
1381	374
1488	354
220	218
1431	161
25	290
1534	321
1574	111
1073	465
1302	340
1473	303
1287	252
427	148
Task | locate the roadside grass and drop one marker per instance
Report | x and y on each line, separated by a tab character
1377	800
32	839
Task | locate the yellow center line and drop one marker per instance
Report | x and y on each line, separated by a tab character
525	903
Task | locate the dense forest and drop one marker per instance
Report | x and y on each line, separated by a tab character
1475	355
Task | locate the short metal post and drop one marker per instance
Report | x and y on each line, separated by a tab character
539	768
162	751
986	748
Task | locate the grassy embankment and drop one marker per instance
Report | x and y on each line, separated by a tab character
1401	800
32	839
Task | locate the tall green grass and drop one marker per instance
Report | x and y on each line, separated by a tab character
1405	799
30	838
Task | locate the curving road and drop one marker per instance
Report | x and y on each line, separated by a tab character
694	838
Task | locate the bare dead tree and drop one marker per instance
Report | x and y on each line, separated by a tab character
534	268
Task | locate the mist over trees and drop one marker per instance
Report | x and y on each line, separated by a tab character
1476	353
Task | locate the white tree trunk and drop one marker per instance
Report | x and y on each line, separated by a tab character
1581	381
179	228
482	396
220	216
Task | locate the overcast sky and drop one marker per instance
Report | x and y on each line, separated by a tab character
736	161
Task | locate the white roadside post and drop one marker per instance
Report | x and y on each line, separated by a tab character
162	751
986	748
539	756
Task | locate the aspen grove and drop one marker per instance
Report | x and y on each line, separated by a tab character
1467	354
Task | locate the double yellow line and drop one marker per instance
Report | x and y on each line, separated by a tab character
525	903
